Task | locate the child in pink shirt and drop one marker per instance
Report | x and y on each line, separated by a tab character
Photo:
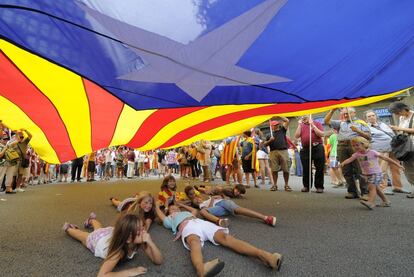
371	170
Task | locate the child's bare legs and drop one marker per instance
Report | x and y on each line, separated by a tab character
95	224
247	179
115	202
77	234
249	213
334	178
262	167
194	243
210	217
381	194
245	248
372	193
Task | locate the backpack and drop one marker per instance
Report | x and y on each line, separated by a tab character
12	156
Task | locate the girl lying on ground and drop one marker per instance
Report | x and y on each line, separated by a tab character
219	206
194	232
116	243
143	202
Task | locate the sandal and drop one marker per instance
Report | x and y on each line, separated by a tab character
213	267
66	226
287	188
274	188
87	224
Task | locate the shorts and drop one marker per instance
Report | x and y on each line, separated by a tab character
125	204
279	160
247	166
171	166
91	166
262	155
98	241
64	169
333	162
223	208
25	172
203	229
375	179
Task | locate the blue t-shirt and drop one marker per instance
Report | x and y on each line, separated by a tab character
172	221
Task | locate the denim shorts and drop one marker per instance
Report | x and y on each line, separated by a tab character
222	208
376	179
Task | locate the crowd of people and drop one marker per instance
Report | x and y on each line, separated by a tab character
311	152
357	152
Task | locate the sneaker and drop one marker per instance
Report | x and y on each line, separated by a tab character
68	225
411	195
384	204
367	204
20	190
388	192
224	222
319	190
304	189
87	224
270	220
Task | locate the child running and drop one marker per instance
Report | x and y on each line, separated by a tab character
116	243
371	170
194	232
143	202
219	206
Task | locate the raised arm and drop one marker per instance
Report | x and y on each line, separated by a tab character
298	130
328	116
285	121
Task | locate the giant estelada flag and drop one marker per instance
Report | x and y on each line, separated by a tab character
83	75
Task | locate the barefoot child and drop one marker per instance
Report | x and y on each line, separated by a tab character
194	232
371	170
116	243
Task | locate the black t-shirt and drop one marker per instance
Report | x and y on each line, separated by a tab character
280	142
161	156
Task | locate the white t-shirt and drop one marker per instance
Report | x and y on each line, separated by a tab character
207	202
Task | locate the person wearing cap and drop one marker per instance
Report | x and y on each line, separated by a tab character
313	144
278	156
349	127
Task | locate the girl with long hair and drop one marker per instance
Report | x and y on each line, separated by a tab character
114	244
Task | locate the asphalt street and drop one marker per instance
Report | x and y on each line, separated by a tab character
318	234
